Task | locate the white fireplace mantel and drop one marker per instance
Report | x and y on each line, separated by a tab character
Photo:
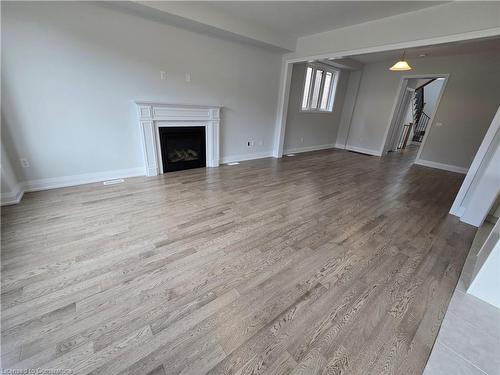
152	116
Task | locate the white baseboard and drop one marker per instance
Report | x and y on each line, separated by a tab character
13	197
80	179
363	150
470	222
308	149
457	212
340	145
60	182
446	167
89	178
235	158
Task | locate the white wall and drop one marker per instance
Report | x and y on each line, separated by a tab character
316	129
486	281
446	21
431	93
70	71
469	103
408	113
485	187
476	175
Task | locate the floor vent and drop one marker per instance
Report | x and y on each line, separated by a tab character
114	182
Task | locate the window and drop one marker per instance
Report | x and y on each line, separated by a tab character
319	89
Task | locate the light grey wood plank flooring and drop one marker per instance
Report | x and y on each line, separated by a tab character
328	262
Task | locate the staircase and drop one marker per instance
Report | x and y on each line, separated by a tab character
418	104
420	118
419	132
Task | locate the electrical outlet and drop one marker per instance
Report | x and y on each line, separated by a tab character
24	163
301	139
188	77
163	75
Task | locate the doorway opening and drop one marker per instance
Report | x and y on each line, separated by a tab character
416	105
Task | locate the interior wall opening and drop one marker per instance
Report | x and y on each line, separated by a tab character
418	100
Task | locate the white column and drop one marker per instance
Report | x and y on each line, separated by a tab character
213	138
149	138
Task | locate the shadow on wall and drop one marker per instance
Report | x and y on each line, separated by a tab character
9	121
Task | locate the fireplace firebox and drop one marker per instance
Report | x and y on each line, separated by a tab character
182	147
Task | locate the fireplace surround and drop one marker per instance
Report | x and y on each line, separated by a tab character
155	116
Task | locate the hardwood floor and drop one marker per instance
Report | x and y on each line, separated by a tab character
325	263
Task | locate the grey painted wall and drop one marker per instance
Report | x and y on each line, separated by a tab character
316	129
70	71
468	105
348	110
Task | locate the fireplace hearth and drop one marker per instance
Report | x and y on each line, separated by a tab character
182	147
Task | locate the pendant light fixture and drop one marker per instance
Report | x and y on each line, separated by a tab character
401	65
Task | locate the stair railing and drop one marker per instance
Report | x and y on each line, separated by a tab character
419	132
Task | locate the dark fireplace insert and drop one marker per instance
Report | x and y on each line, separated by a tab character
182	147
